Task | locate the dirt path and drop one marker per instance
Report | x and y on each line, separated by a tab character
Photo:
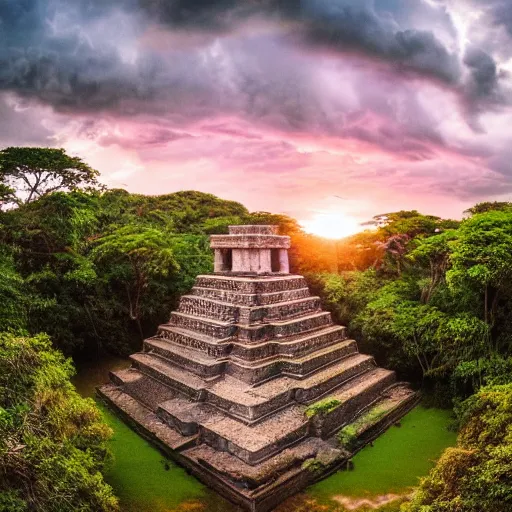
374	503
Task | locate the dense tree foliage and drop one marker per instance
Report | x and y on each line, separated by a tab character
52	441
104	268
28	173
475	475
434	303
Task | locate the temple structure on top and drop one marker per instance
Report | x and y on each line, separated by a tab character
249	384
251	250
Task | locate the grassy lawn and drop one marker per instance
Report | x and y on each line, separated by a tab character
396	460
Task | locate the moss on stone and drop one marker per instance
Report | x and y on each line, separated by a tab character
313	465
322	407
348	435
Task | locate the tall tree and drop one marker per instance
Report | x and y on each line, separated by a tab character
140	254
34	172
481	259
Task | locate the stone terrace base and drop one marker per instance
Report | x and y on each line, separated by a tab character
224	386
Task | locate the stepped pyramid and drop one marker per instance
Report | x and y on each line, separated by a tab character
249	382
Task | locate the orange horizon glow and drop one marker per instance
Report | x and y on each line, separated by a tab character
332	225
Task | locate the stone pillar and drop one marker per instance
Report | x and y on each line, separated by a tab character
284	264
253	261
238	263
218	265
265	261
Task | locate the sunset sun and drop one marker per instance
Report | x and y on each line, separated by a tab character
331	225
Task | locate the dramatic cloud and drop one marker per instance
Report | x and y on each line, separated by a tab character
500	11
288	100
484	74
91	55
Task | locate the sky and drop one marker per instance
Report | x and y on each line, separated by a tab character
330	111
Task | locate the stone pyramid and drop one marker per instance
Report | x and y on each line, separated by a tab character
250	385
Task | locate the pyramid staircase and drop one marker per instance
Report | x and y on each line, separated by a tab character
248	384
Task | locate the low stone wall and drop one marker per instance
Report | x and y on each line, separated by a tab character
382	425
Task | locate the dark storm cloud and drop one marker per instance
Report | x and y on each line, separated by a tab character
483	71
84	56
217	15
337	25
62	68
67	69
500	12
345	25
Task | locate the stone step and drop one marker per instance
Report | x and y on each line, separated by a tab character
252	444
222	311
248	476
136	414
294	367
354	397
180	380
251	372
250	299
295	346
187	416
284	329
148	392
190	359
211	346
206	326
281	311
247	403
391	405
252	285
209	308
250	333
298	345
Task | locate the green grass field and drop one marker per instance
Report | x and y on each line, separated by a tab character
146	481
396	460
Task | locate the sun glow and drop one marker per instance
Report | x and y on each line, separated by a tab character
331	225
